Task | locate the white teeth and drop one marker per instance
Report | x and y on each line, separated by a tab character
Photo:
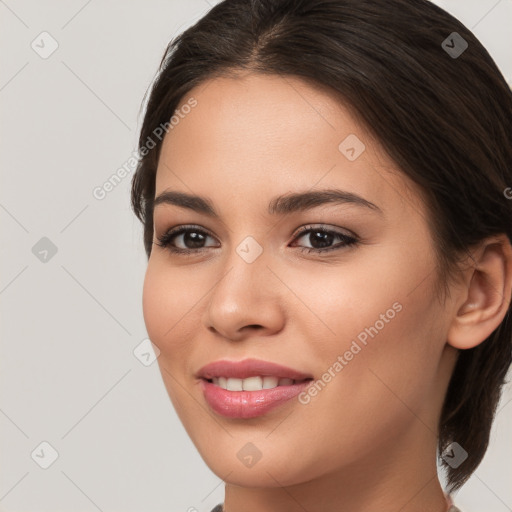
270	382
251	383
234	384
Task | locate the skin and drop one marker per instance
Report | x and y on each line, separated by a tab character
367	441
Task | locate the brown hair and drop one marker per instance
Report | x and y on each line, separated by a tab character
445	119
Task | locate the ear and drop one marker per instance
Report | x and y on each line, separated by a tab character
486	293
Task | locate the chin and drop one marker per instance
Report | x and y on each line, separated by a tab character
277	470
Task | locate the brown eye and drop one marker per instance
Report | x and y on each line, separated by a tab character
190	238
321	239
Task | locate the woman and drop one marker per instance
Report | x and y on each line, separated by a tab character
324	187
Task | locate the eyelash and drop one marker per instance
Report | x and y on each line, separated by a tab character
165	239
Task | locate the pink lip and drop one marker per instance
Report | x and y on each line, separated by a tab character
248	404
249	368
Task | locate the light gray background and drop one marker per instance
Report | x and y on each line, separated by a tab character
70	325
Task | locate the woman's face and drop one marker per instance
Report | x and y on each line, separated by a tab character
361	319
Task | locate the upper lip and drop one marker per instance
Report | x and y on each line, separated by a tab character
249	368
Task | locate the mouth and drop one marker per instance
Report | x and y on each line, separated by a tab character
255	383
249	388
247	398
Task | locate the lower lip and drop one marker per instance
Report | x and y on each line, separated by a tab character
248	404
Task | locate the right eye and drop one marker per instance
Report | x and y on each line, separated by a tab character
191	237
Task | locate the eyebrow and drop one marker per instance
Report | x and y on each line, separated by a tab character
281	205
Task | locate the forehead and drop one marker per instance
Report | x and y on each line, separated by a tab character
272	134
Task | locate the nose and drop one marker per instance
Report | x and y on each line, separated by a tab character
246	300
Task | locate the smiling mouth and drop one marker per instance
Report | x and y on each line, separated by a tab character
255	383
247	398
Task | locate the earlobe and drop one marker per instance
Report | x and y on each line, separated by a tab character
485	296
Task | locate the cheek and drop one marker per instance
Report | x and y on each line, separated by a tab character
380	316
167	304
385	379
154	304
367	289
168	307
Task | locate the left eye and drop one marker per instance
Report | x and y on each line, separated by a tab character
193	239
319	238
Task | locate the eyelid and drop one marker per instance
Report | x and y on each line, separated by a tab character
325	227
